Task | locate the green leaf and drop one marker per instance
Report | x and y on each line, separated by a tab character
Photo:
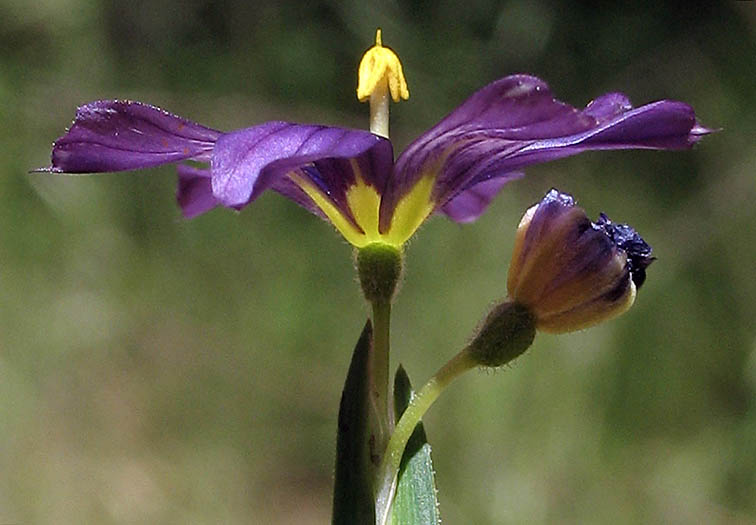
415	502
353	487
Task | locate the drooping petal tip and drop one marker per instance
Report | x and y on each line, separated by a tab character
698	131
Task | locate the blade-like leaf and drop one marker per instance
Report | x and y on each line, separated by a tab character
415	502
353	488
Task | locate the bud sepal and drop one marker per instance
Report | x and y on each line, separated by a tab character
507	331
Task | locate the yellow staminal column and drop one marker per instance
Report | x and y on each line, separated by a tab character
380	74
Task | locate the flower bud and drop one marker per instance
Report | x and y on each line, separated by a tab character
572	273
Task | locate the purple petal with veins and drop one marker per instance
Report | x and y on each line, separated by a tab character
113	135
249	161
515	122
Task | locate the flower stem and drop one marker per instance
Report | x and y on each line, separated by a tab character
379	109
380	374
420	403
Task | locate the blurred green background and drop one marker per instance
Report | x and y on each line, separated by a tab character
156	370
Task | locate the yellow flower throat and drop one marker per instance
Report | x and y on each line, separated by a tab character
364	202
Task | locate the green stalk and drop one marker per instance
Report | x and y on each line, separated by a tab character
420	403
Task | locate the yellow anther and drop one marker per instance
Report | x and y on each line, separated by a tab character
380	65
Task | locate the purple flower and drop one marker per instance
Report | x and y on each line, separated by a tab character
571	273
350	176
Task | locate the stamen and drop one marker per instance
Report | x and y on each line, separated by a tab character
380	73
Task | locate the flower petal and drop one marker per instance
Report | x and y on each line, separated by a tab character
113	135
194	192
248	161
470	204
516	121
